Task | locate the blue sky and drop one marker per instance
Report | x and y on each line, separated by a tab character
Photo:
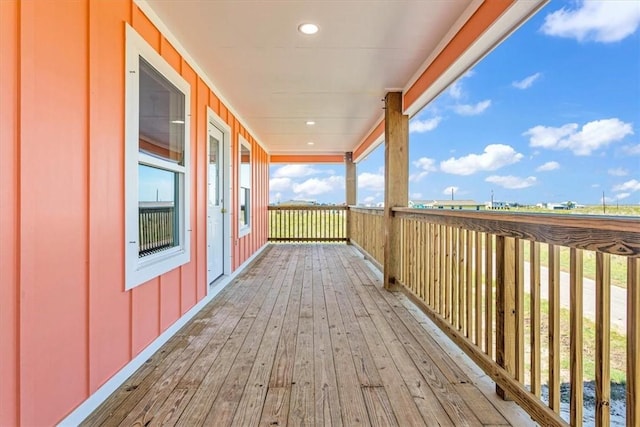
552	114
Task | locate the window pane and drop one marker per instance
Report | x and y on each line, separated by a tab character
157	217
161	116
214	171
245	166
244	206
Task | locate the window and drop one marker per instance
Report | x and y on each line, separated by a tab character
156	164
245	186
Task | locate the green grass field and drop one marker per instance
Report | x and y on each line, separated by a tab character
614	210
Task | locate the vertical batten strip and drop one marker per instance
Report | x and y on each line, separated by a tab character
554	328
534	263
575	334
603	330
633	341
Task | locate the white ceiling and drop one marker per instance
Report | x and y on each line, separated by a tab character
276	78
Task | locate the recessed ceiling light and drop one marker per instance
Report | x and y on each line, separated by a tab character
310	123
177	122
308	28
310	143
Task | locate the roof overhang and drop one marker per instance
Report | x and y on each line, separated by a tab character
274	79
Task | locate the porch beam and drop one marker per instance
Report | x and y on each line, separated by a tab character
396	181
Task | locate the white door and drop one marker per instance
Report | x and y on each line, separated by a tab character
215	204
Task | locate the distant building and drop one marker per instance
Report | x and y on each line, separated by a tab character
447	204
299	203
495	204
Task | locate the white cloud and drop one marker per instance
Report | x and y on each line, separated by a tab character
294	171
526	82
472	109
618	172
371	181
512	182
416	195
632	185
455	90
632	150
621	196
600	21
494	157
426	165
549	166
317	186
416	177
582	142
450	190
421	126
369	199
279	184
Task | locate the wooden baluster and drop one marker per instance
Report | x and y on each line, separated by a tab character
478	287
554	328
436	266
461	281
603	332
488	290
443	268
423	255
534	263
633	341
469	282
455	319
519	289
575	335
447	274
431	280
505	307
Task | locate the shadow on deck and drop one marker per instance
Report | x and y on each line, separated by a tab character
306	335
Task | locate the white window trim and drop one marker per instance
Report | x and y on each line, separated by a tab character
137	270
243	230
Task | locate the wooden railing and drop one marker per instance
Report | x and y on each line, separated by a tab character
366	232
156	229
307	223
468	270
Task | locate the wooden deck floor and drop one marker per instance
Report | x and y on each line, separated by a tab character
304	336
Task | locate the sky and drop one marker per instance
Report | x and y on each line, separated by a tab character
551	115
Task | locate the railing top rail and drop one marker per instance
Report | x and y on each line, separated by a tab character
608	234
307	208
367	209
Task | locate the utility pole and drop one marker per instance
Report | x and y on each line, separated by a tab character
604	205
491	199
451	193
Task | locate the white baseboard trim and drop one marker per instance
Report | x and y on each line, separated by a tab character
96	399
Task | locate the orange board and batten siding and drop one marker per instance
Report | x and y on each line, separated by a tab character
66	323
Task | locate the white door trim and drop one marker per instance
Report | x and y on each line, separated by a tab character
216	120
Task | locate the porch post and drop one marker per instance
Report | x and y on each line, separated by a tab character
396	181
351	182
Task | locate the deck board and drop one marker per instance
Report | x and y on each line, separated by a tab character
305	335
